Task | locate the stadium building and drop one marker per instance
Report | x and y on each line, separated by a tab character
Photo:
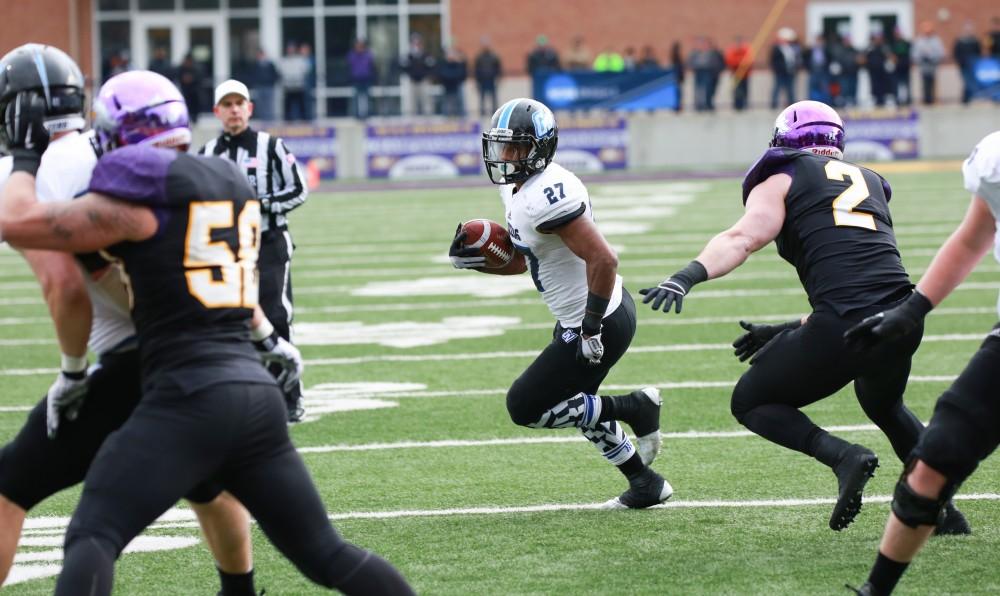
222	36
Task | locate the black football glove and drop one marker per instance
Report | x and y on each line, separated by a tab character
672	290
24	126
757	336
889	324
462	257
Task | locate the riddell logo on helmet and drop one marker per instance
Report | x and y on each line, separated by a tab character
827	151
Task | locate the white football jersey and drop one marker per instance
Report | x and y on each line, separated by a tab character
981	172
547	200
63	175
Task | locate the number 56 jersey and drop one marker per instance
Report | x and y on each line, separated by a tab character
837	231
546	201
193	284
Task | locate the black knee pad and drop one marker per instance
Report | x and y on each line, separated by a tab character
917	510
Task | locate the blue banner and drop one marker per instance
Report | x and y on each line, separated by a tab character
987	73
632	90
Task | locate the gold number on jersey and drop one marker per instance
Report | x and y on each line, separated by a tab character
844	204
237	285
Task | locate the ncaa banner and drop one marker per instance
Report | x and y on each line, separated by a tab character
627	91
424	150
881	135
314	147
592	144
987	74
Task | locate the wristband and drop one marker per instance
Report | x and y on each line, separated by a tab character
597	306
693	273
25	161
73	364
262	331
919	304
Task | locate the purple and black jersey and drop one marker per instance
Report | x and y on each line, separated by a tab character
194	283
837	231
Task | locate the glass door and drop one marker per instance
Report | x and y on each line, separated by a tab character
189	49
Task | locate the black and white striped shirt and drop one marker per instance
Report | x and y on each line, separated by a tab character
269	167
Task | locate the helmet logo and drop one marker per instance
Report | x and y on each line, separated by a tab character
544	122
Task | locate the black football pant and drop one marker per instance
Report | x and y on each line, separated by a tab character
34	467
965	428
556	375
805	365
275	265
237	433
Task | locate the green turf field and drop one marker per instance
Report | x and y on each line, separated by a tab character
410	444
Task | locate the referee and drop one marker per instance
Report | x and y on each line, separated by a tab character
273	173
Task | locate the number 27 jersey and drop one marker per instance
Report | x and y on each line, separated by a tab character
837	231
547	200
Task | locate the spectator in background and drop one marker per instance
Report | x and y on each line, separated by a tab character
160	64
878	62
928	52
967	50
451	73
785	60
543	58
294	70
677	65
578	57
629	61
816	62
902	51
118	63
263	80
305	50
736	54
648	59
609	61
361	66
718	62
189	80
419	67
487	70
702	64
843	67
994	36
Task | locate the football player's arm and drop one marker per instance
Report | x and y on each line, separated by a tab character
516	266
66	295
582	237
293	191
88	224
960	253
761	223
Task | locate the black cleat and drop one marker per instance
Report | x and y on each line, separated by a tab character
641	411
866	589
953	522
854	470
294	403
648	489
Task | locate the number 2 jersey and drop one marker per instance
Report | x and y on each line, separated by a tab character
837	231
194	282
547	200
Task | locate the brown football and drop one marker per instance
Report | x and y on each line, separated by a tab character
492	241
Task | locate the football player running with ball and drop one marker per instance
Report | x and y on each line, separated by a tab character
830	219
552	226
965	428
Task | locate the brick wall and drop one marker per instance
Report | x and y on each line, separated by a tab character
49	22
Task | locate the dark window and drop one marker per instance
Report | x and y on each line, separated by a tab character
113	5
116	47
244	39
340	34
156	4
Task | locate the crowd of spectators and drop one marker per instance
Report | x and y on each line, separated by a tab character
830	67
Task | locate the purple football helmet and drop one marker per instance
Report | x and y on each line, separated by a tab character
810	126
141	107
